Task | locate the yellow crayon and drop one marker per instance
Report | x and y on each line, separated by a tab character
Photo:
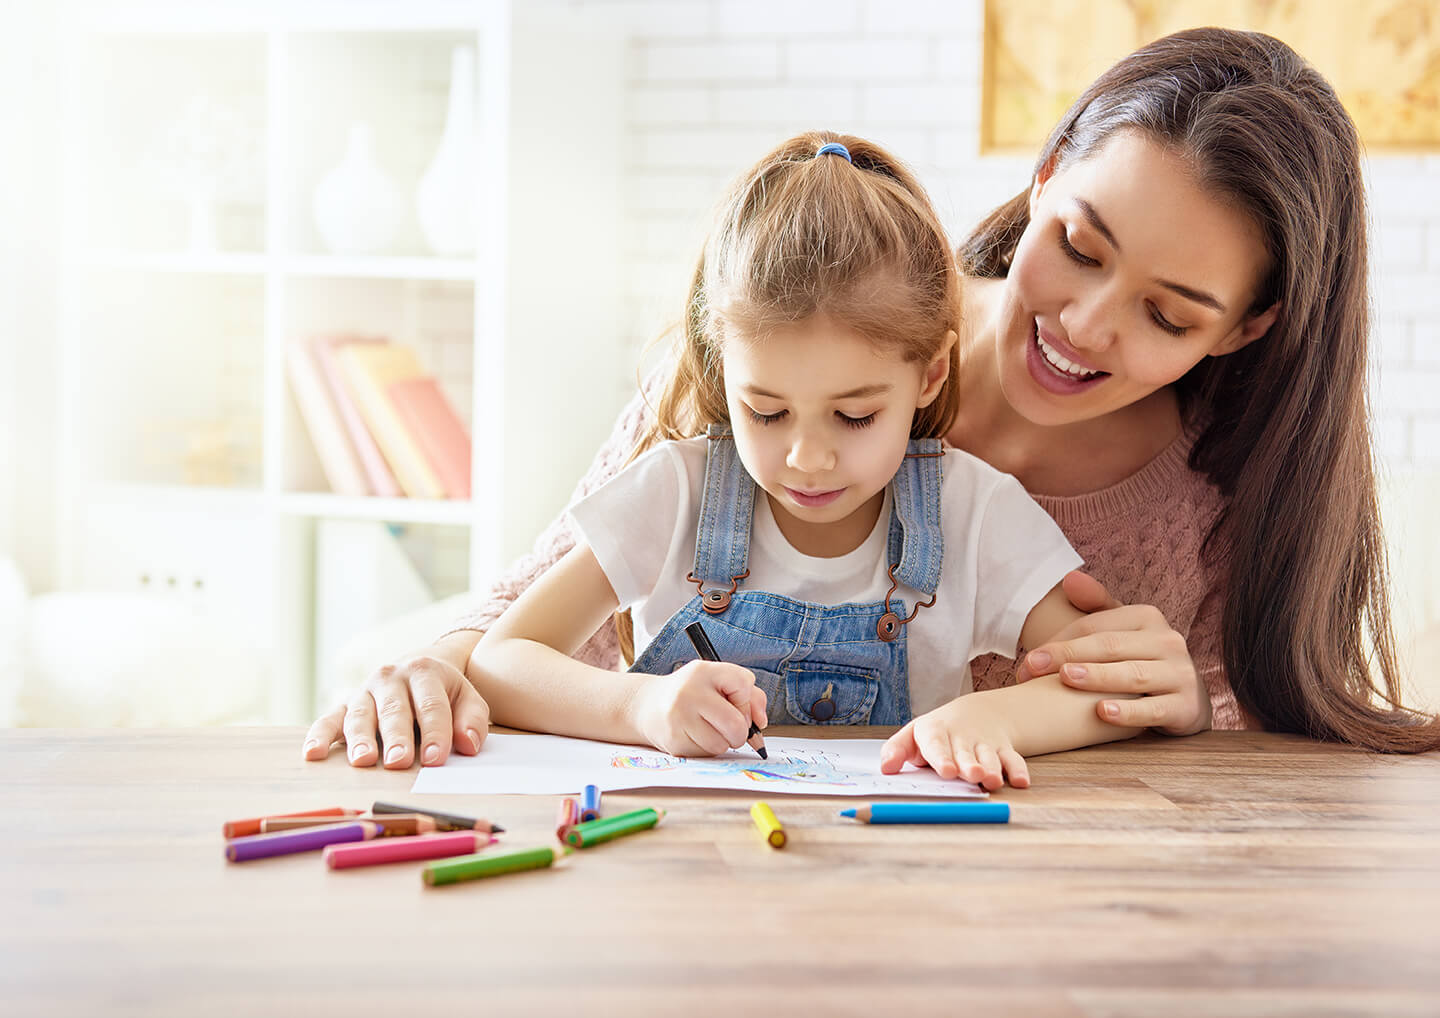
764	818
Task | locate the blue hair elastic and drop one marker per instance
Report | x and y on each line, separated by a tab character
834	148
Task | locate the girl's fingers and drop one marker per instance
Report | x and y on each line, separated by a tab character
898	750
705	738
1016	770
729	725
988	764
324	732
933	742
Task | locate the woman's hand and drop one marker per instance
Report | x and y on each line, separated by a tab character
429	691
701	709
969	738
1124	649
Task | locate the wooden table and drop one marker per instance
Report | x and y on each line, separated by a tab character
1224	874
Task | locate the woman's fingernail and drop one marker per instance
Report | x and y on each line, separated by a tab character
1040	659
1112	710
432	753
474	739
394	753
1076	671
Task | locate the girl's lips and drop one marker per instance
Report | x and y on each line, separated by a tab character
815	500
1051	378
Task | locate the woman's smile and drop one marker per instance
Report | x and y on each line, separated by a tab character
1056	366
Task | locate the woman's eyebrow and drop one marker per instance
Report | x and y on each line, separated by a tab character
1189	293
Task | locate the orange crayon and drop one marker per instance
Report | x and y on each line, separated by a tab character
244	828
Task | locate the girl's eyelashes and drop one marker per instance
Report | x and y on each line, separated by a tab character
848	421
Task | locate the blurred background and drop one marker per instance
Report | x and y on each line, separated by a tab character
312	313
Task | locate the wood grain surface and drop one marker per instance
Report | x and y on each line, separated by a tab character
1224	874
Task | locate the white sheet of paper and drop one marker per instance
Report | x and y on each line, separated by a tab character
556	765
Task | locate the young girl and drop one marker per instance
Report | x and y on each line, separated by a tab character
845	567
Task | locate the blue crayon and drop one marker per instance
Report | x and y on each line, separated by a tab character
931	813
590	803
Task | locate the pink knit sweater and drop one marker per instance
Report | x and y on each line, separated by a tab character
1141	538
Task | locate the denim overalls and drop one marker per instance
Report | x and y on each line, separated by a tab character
818	664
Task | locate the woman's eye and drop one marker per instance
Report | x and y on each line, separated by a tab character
856	422
1069	249
1166	324
760	418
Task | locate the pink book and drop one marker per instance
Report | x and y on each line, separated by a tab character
381	479
428	416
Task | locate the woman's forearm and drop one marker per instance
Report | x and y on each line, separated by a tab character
530	685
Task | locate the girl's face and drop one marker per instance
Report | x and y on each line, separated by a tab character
1126	277
821	418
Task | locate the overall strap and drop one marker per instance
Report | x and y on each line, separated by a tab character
727	508
916	545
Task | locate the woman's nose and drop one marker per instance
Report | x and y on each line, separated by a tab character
1090	321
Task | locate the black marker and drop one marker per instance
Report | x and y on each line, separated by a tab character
706	650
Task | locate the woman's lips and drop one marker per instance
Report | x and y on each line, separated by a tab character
813	500
1051	378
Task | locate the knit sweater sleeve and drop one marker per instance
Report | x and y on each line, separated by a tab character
603	648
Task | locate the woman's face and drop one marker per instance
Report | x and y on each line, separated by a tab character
1127	275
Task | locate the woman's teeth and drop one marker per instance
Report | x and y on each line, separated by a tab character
1060	363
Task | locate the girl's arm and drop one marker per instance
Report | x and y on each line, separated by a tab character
523	669
984	737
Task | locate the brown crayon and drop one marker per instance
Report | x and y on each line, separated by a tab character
443	821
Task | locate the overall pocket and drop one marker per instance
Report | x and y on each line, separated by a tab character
820	694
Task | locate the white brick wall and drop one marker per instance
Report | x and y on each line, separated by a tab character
713	83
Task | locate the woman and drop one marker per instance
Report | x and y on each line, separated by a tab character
1166	343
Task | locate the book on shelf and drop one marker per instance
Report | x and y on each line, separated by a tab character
338	459
371	371
380	478
423	408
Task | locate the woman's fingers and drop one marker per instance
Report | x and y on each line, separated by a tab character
1086	593
1107	647
324	733
360	729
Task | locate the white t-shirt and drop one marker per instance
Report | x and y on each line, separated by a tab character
1003	553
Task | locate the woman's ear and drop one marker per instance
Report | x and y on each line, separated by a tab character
937	371
1248	331
1037	186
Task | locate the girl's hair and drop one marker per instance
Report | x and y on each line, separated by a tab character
801	234
1285	432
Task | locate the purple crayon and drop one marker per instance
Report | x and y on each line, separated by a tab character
306	839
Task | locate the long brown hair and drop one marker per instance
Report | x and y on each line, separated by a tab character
800	234
1307	641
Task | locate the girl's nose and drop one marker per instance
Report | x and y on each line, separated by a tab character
809	453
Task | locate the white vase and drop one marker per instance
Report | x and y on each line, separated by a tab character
356	205
445	199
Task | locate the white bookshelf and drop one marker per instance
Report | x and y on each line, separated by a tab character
183	461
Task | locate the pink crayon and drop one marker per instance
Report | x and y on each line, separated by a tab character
427	846
306	839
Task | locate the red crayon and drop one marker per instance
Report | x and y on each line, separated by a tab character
427	846
242	828
569	816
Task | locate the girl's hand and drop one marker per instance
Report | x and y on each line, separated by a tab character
701	709
968	738
1124	649
429	688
